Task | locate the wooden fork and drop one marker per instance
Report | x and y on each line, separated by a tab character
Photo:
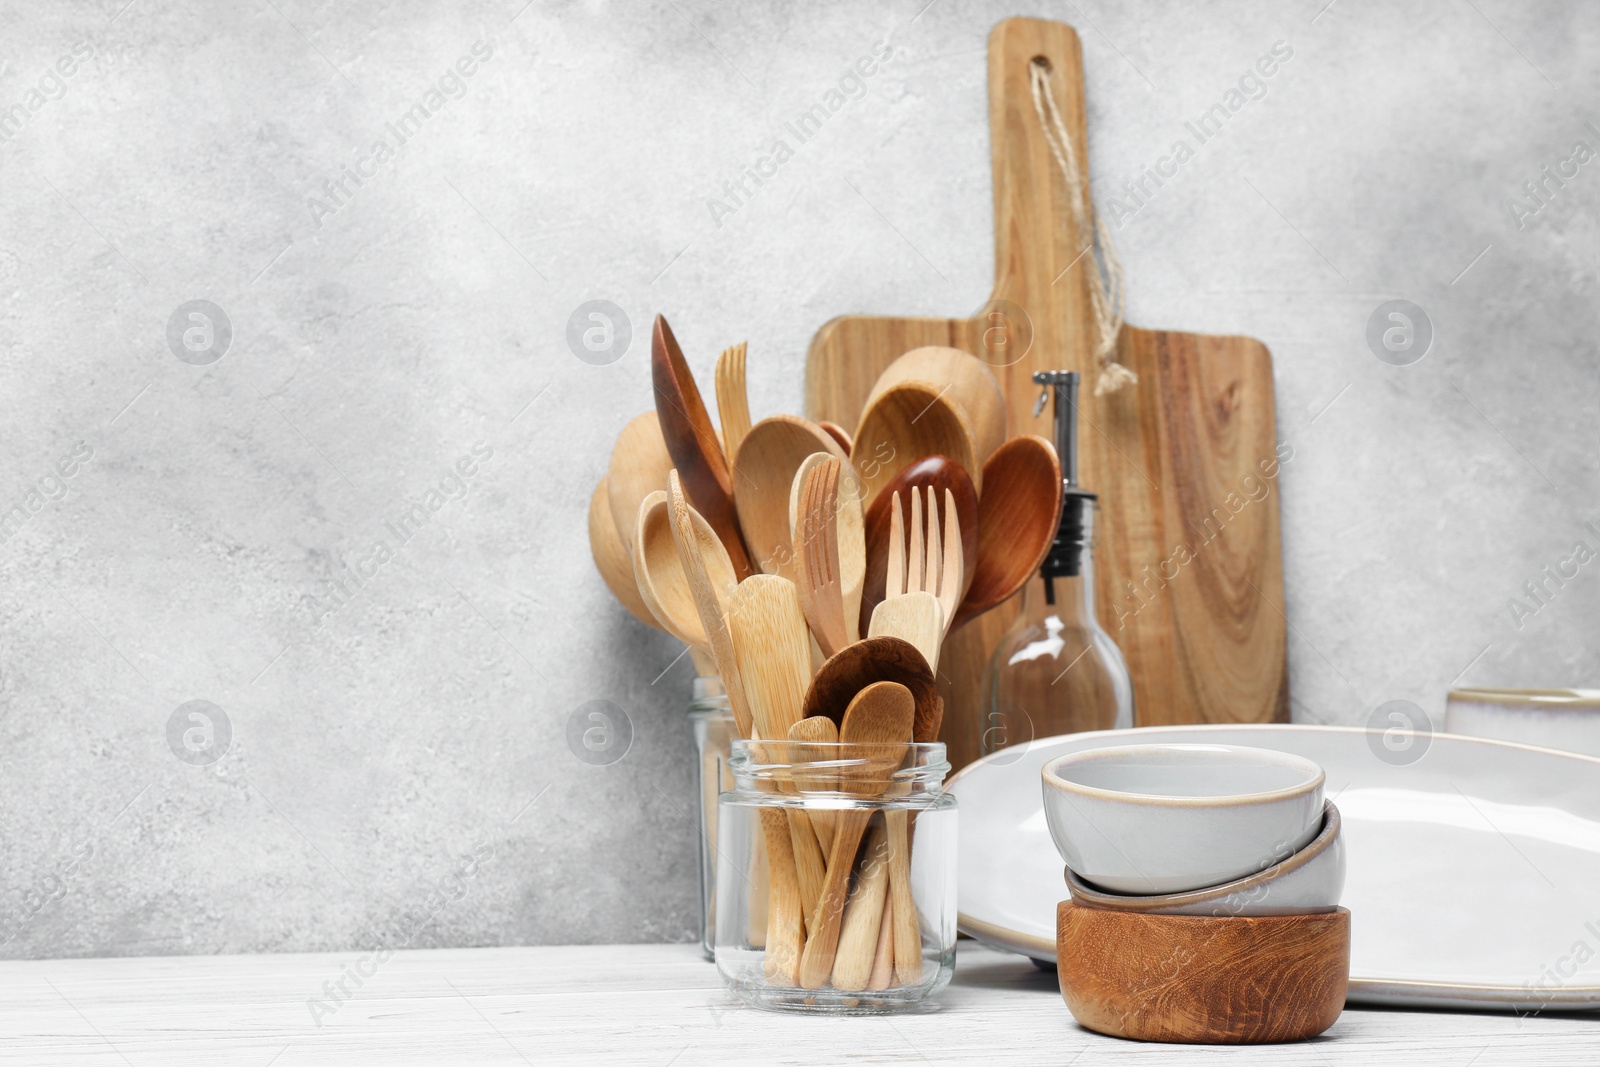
733	403
816	536
923	587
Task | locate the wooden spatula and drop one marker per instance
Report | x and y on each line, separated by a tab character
773	656
1204	639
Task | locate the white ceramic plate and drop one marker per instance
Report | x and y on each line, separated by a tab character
1474	871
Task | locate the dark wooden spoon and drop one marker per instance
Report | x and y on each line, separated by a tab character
692	442
1017	521
876	659
939	472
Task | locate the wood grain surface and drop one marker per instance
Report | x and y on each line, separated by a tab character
1190	580
1229	979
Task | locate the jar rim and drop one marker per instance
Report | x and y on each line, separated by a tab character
920	763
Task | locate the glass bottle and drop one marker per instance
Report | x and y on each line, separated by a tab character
1057	671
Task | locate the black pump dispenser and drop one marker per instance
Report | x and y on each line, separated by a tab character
1075	532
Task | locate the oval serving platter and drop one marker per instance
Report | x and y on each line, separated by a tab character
1472	868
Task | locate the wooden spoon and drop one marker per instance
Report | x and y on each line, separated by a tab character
906	423
658	571
695	549
733	401
972	385
639	466
763	475
876	659
940	473
838	433
692	442
1017	520
880	719
611	558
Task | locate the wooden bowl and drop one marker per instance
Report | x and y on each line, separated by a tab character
1200	979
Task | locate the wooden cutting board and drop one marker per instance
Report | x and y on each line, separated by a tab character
1190	568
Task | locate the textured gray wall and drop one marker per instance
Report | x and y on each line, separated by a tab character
398	764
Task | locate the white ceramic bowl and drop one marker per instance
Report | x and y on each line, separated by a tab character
1173	818
1309	881
1551	718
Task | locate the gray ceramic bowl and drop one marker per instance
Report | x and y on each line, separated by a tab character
1311	880
1166	818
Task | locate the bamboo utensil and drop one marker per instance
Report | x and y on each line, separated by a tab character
771	651
662	584
785	909
850	535
905	929
881	717
863	916
1017	520
763	476
838	433
786	935
693	444
639	466
812	740
696	544
972	385
733	401
922	578
611	557
904	424
876	659
938	571
941	474
816	540
773	657
883	960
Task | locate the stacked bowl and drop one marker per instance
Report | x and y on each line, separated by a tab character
1205	884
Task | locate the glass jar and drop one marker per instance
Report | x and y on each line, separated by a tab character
714	731
836	876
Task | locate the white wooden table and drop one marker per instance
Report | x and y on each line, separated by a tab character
653	1005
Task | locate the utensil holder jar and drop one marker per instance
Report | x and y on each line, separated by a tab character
714	731
836	876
